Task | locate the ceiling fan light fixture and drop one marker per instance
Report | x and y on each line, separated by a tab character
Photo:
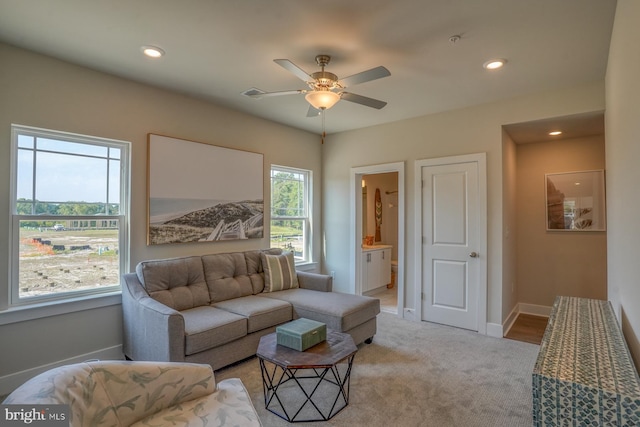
322	99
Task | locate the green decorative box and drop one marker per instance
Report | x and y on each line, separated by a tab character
301	334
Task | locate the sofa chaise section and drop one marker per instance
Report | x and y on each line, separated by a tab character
352	314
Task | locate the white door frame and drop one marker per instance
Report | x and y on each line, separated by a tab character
481	160
355	225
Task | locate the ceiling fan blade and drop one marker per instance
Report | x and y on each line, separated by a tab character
313	112
259	93
293	68
359	99
365	76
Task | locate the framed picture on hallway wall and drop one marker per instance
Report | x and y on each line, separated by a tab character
575	201
201	193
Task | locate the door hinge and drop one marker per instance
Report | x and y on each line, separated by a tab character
422	297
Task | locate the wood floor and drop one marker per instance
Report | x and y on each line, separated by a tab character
528	328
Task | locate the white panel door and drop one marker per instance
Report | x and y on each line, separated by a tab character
450	266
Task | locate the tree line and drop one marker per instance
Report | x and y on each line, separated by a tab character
287	200
28	207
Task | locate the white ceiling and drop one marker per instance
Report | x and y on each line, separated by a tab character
216	49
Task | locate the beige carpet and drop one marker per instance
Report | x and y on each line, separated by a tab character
423	374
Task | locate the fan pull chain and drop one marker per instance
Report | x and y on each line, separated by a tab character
323	132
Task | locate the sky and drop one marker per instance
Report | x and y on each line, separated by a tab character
65	173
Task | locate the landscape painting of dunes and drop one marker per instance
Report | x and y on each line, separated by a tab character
201	193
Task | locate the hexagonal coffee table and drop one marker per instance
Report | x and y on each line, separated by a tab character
305	386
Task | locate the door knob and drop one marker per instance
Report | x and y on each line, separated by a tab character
473	254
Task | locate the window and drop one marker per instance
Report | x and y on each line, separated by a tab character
69	230
290	218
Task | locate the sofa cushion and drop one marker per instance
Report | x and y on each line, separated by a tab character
279	272
226	276
209	327
178	283
261	313
340	312
254	267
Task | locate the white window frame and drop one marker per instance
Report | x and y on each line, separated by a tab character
307	228
12	300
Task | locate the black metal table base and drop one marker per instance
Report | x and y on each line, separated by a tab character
306	394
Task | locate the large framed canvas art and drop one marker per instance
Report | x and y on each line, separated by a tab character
200	192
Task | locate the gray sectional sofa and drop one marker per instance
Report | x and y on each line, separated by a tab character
214	308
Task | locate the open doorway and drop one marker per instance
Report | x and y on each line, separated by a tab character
377	234
380	238
575	260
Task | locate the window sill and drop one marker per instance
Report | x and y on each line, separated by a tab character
55	308
311	267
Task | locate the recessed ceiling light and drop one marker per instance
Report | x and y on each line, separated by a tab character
555	133
152	51
494	64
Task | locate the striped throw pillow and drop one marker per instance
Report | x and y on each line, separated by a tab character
279	272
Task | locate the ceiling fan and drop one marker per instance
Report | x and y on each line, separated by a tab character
325	88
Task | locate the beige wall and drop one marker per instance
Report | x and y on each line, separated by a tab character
509	225
471	130
43	92
623	170
551	263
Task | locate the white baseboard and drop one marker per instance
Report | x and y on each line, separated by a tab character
511	318
522	308
494	330
536	310
10	382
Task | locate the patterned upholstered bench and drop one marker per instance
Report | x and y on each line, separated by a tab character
584	374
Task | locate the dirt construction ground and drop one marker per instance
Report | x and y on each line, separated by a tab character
60	261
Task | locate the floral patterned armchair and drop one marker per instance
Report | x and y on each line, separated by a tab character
121	393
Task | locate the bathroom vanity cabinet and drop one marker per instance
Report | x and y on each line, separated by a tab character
376	267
